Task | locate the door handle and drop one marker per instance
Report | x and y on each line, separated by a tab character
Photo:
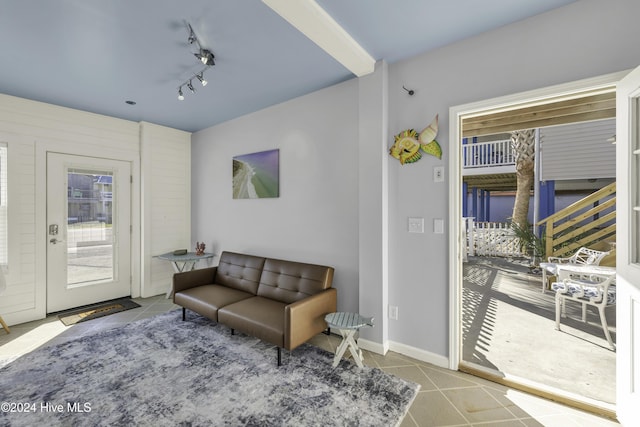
56	241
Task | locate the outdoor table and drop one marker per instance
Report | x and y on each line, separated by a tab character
586	268
554	269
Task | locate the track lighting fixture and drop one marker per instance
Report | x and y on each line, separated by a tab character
203	55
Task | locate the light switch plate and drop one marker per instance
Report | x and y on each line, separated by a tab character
416	225
438	226
393	312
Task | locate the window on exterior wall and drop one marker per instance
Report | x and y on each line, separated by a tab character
4	236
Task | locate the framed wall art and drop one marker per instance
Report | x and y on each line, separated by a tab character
256	175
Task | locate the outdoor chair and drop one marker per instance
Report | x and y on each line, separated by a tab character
583	256
587	285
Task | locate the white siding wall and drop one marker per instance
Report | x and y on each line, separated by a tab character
166	195
20	274
578	151
3	203
31	129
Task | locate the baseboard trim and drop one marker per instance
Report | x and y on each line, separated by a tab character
154	291
373	346
23	316
419	354
407	350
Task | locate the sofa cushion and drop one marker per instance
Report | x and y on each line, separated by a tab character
289	281
239	271
207	299
260	317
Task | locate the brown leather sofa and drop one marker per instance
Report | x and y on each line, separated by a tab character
280	302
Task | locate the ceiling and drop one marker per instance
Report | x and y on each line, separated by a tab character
95	55
589	106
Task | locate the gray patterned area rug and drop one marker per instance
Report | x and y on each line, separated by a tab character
163	371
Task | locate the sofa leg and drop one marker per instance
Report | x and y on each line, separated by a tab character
279	356
184	314
233	331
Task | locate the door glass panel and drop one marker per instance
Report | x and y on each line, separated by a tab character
90	245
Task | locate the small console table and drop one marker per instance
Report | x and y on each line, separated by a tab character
348	324
186	262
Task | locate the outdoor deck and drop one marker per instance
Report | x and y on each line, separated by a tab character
509	326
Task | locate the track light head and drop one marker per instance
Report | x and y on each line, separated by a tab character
190	86
192	36
180	95
201	78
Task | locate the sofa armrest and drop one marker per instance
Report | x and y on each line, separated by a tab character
305	318
193	278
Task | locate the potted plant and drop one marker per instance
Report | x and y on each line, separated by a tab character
531	244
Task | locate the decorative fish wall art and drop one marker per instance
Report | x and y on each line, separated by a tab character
409	143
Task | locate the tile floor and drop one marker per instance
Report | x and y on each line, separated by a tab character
446	398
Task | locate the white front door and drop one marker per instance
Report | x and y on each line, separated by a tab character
628	247
88	230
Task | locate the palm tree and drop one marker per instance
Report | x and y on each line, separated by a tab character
523	144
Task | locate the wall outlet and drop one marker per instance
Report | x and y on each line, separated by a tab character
438	174
393	312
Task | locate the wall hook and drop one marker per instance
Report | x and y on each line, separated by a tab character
411	92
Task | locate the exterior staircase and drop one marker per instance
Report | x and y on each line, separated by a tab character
586	222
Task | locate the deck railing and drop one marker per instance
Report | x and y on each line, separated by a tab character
488	154
583	223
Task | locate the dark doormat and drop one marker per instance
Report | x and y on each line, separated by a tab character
95	311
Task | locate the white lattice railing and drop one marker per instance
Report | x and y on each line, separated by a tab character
490	239
487	154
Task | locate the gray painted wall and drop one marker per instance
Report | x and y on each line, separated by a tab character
316	217
584	39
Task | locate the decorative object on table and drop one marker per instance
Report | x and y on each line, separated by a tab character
162	371
256	175
199	248
180	252
408	144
